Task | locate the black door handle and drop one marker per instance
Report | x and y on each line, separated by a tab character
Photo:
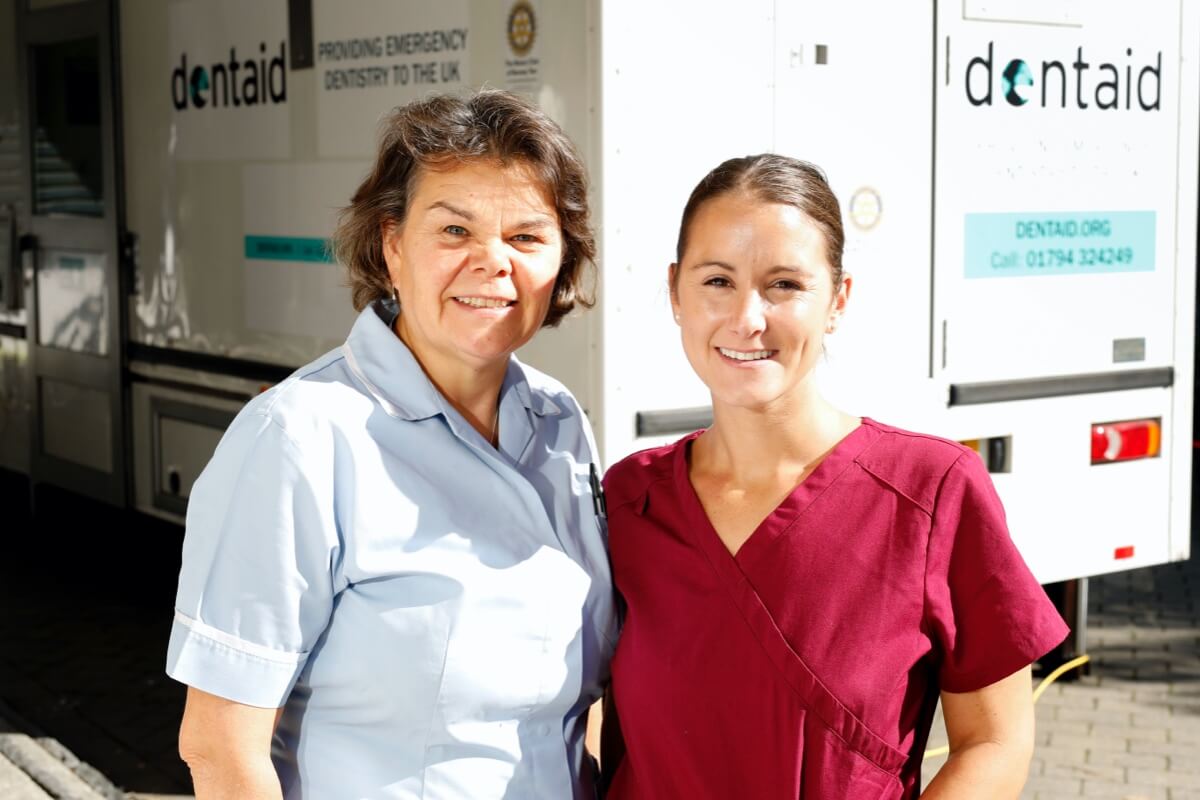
12	283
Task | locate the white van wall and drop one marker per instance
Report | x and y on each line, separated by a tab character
214	192
657	94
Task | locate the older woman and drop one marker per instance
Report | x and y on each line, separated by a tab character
803	583
394	577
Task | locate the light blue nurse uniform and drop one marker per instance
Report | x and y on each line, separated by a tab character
434	614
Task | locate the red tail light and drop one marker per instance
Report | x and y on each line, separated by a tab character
1125	441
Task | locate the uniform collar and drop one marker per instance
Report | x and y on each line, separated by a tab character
391	373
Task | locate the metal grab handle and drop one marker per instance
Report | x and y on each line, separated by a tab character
23	269
12	286
127	252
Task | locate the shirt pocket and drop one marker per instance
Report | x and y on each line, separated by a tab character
382	656
830	767
840	755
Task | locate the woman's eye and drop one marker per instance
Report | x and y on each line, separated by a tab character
525	238
455	230
787	286
717	280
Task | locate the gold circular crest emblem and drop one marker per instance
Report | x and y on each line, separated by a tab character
866	206
522	28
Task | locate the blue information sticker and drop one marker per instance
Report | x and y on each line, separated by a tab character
1058	243
287	248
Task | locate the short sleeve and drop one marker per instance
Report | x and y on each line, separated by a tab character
257	583
986	612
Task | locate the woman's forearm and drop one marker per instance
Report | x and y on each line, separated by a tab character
227	746
243	779
981	771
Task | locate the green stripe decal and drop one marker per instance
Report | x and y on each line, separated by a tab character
288	248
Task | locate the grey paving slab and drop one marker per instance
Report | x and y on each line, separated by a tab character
36	767
16	785
47	771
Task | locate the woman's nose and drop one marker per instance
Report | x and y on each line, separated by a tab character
749	317
493	259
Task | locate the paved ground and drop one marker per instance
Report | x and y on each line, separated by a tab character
1132	728
85	608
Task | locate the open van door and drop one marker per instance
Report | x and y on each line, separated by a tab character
70	233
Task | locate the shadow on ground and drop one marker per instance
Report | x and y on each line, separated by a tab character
86	598
1144	625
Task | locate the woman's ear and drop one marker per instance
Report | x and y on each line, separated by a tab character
389	235
840	298
672	284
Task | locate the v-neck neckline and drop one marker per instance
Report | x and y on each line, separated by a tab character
785	515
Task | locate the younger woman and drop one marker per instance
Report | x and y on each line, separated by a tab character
802	584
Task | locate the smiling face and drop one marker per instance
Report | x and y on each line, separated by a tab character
474	264
754	297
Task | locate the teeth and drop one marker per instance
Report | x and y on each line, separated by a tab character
753	355
482	302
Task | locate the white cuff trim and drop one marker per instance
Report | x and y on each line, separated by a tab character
249	648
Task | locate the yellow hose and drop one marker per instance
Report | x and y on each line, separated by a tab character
1037	693
1058	673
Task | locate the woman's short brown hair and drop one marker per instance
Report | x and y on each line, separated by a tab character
441	131
772	178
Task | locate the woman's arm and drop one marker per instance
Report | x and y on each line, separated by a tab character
991	741
612	742
595	718
227	746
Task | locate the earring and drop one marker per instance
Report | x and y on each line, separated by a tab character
396	295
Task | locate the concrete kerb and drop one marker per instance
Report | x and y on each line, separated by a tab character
52	768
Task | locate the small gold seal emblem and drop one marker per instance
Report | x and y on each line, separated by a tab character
866	206
522	28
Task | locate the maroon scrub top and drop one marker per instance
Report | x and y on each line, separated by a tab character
809	664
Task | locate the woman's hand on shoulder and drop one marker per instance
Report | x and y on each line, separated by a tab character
227	747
